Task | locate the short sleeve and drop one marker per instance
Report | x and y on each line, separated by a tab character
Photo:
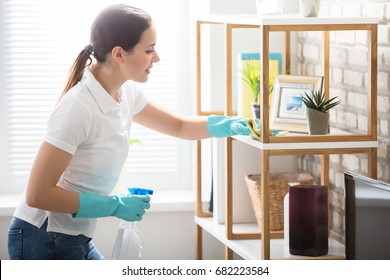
137	99
68	125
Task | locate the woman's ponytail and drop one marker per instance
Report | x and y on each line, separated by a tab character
76	72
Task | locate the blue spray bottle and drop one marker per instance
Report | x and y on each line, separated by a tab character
128	243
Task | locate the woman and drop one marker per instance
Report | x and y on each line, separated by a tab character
87	138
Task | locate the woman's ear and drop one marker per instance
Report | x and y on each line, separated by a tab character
117	54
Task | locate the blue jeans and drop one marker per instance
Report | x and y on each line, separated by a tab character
27	242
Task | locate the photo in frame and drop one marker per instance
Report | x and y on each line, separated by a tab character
288	110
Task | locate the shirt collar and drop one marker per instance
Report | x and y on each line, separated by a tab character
103	99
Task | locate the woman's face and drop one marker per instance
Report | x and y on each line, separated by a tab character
139	61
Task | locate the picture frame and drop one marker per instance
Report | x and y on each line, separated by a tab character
288	112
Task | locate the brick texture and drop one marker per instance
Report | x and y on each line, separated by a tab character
348	62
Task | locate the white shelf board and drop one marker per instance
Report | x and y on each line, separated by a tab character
309	145
287	19
251	249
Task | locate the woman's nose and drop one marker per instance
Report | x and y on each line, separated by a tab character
156	58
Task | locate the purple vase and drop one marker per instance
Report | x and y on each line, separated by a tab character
308	220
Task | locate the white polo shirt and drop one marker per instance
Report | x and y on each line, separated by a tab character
95	129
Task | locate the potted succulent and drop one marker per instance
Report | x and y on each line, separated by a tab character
251	75
317	111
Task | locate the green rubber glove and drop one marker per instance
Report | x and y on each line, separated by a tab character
124	206
223	126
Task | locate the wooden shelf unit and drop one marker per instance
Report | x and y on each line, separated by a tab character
269	146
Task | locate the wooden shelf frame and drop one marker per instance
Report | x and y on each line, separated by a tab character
276	146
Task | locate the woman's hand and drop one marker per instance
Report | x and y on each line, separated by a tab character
124	206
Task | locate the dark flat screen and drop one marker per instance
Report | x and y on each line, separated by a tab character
367	218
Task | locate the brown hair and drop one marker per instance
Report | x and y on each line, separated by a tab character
117	25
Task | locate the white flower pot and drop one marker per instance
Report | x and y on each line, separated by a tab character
255	110
309	8
318	122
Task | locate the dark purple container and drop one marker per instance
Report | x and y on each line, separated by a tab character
308	220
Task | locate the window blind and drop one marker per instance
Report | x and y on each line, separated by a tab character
41	39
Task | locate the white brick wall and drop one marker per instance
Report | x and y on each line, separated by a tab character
374	8
384	127
387	9
336	75
353	79
383	80
383	34
362	124
385	55
358	56
339	55
349	81
384	104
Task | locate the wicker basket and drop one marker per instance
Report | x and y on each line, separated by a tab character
278	188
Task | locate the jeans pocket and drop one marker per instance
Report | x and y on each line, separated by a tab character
15	239
71	247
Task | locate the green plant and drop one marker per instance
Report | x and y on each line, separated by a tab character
135	141
251	75
317	101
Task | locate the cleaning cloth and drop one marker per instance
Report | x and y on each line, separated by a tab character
254	127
